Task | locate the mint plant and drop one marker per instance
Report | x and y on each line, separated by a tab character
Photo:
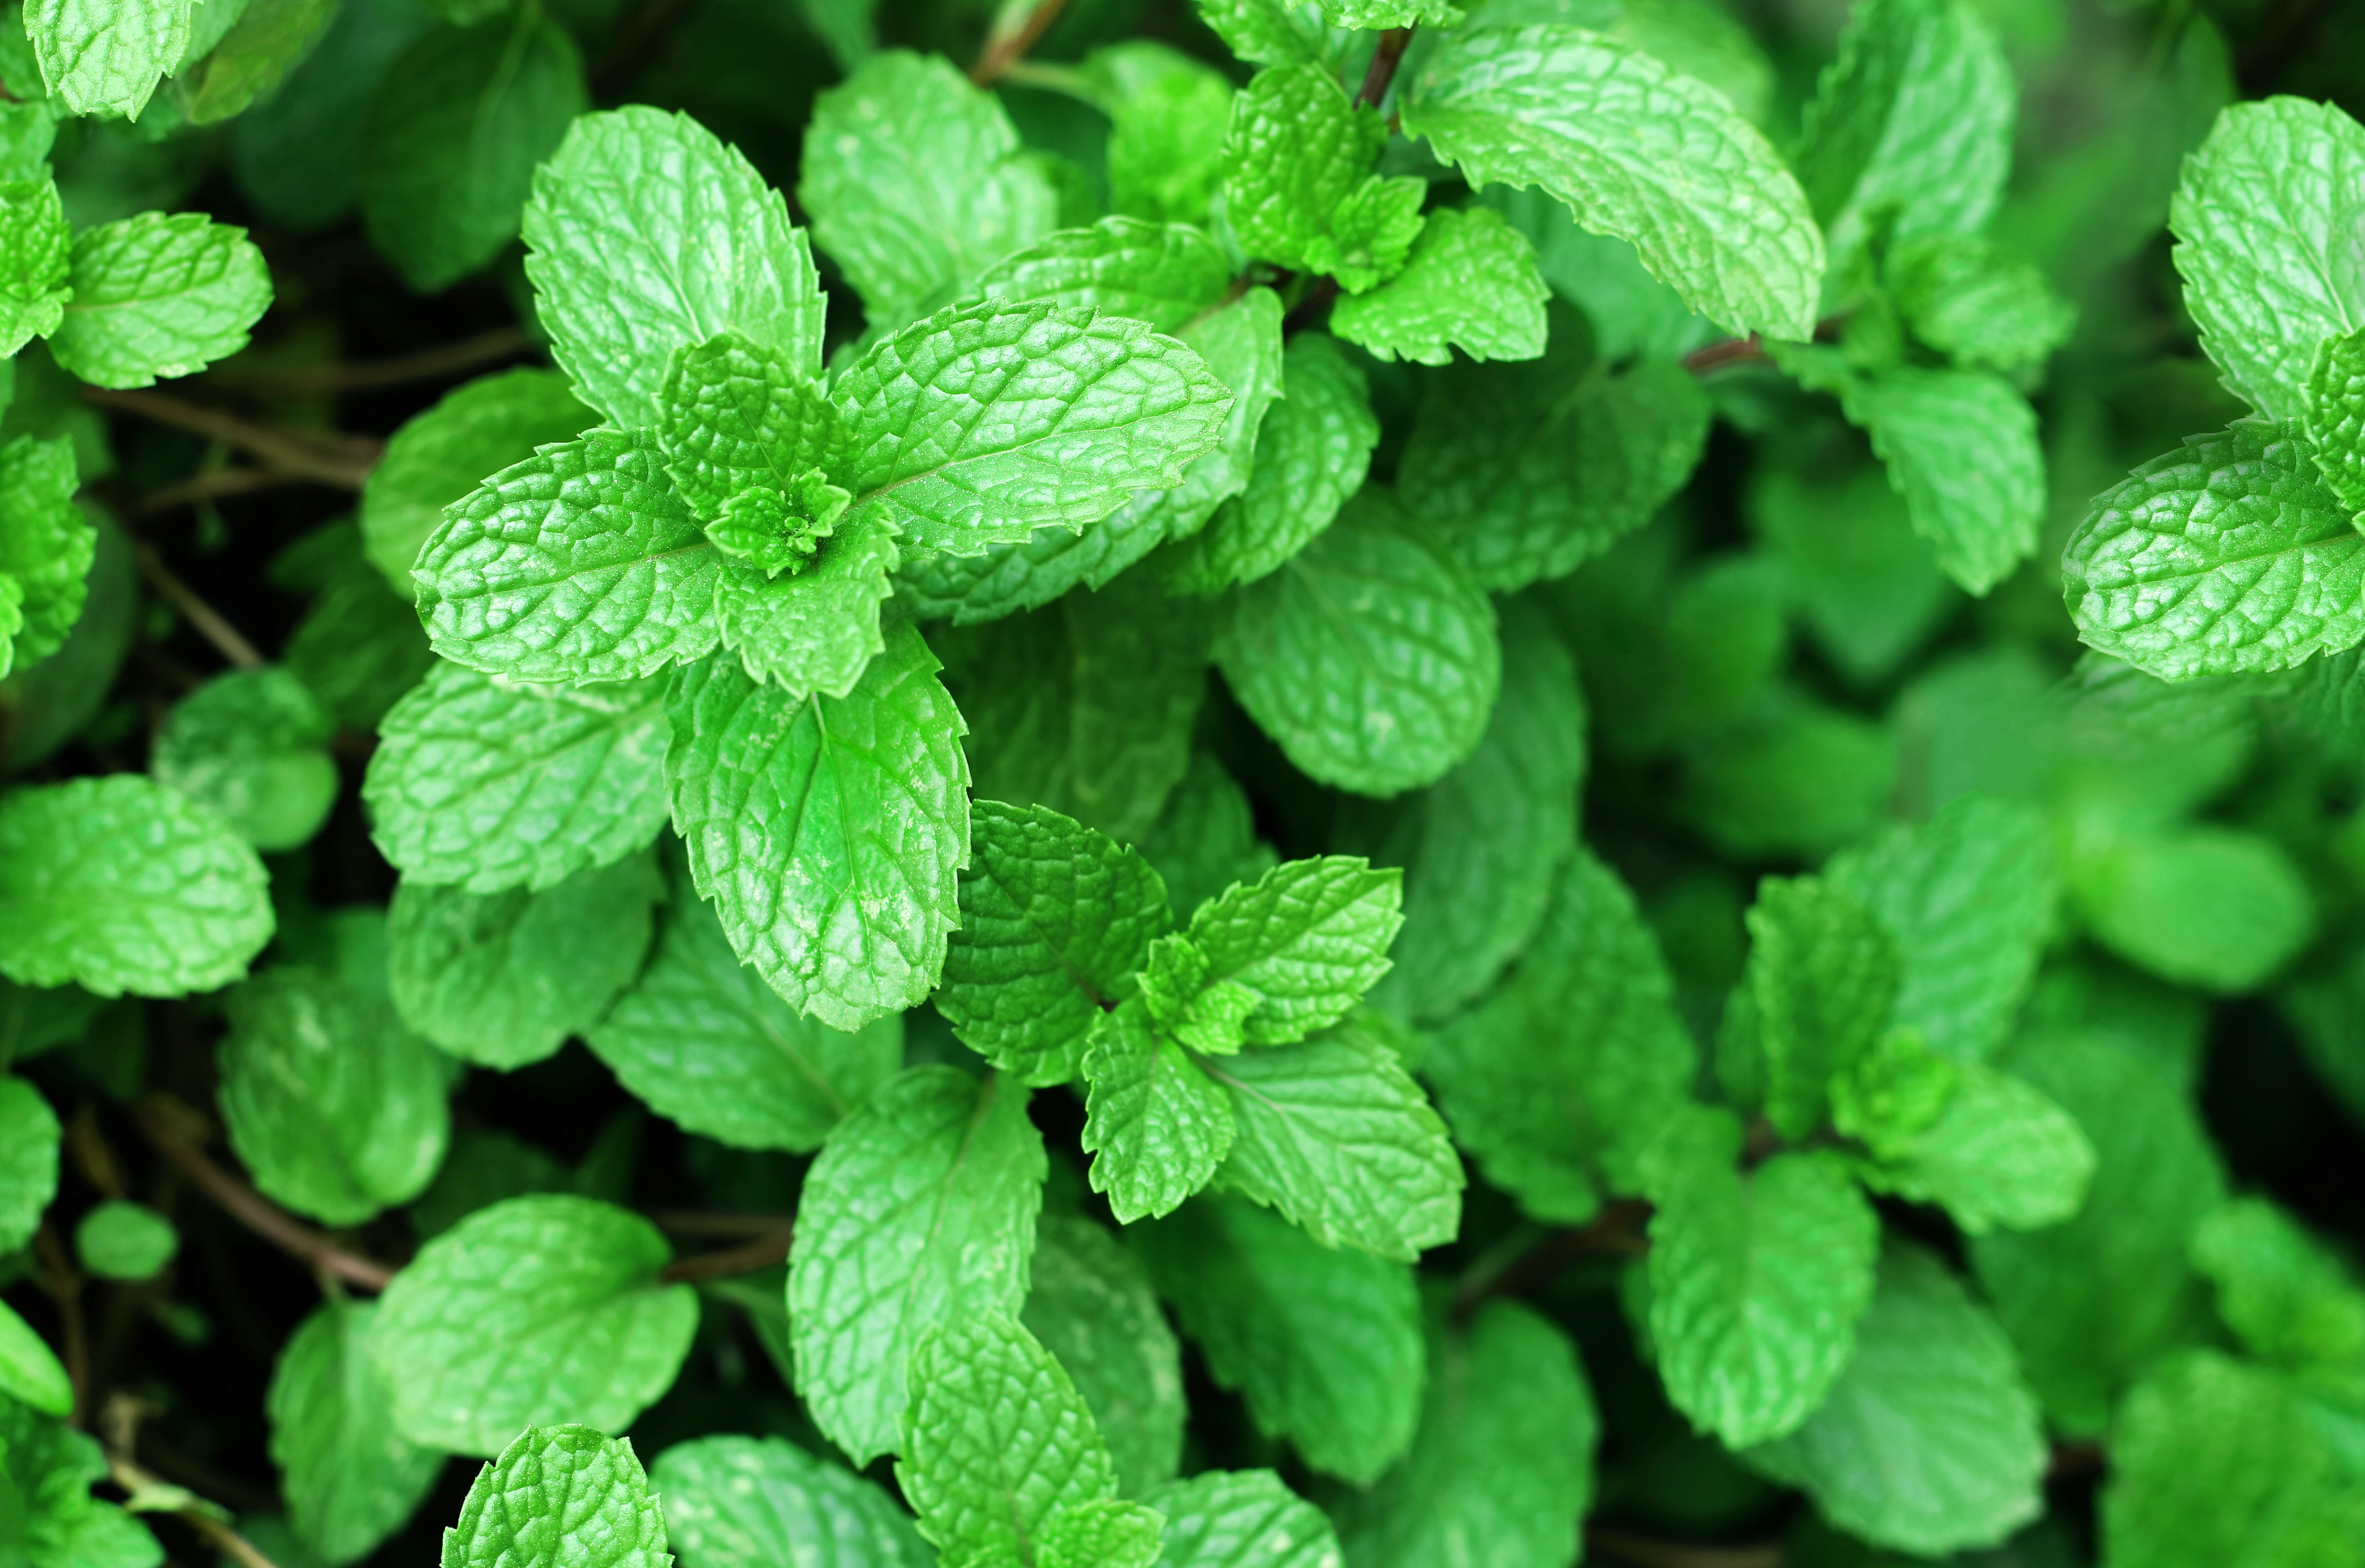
1231	784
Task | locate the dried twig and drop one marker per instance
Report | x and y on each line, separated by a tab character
210	622
178	1132
1004	50
1725	351
342	461
213	487
371	375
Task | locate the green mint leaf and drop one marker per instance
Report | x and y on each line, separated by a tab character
1470	283
2200	905
46	1472
1558	1083
1756	1279
700	1039
531	1309
1312	451
268	40
1300	193
1054	921
483	783
2333	419
1106	1534
438	457
1202	1012
102	57
779	530
732	1502
28	1160
1206	840
121	1241
1156	1126
253	745
483	1168
1168	275
45	548
647	234
1271	32
1241	1519
30	1372
817	630
919	1211
1869	591
560	1496
917	183
1369	14
734	415
1978	304
1323	1343
159	295
2266	246
35	248
997	1442
1167	142
1824	975
337	1109
1092	1305
351	1479
1888	1097
505	978
827	832
361	645
1306	939
1532	469
1800	778
1635	151
2287	1296
1334	1133
2092	1302
984	422
1504	1454
1492	836
1999	1154
1911	127
1930	1442
1371	657
121	884
1967	901
453	137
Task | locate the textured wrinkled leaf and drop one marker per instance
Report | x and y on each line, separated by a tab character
2288	1296
484	783
1635	151
121	884
351	1479
1961	448
1307	940
1167	140
1165	274
1324	1343
580	563
28	1160
646	234
107	56
1999	1154
702	1040
1757	1281
1091	1304
35	248
1824	975
2333	419
335	1107
159	295
505	978
732	1502
253	745
919	1212
1299	191
828	832
1470	283
1976	303
1241	1519
1156	1126
816	631
47	547
535	1308
1054	921
915	184
1370	657
560	1497
733	414
1269	32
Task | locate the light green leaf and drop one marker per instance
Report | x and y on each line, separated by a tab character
2269	244
1324	1343
46	1472
1824	975
1370	657
580	563
1502	1470
1756	1279
732	415
560	1496
1307	940
438	457
335	1107
1559	1081
118	1240
1368	15
1635	151
1300	191
1470	283
159	295
350	1478
703	1041
1312	451
732	1502
2199	905
103	57
28	1160
1106	1534
919	1212
505	978
455	133
1241	1519
1166	144
2287	1296
915	183
1999	1154
2333	419
46	547
1091	1305
647	234
533	1308
1168	275
816	631
1054	921
484	783
1978	304
121	884
2227	554
36	246
1271	32
827	832
1334	1133
1930	1442
1156	1126
984	422
997	1442
30	1372
253	745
